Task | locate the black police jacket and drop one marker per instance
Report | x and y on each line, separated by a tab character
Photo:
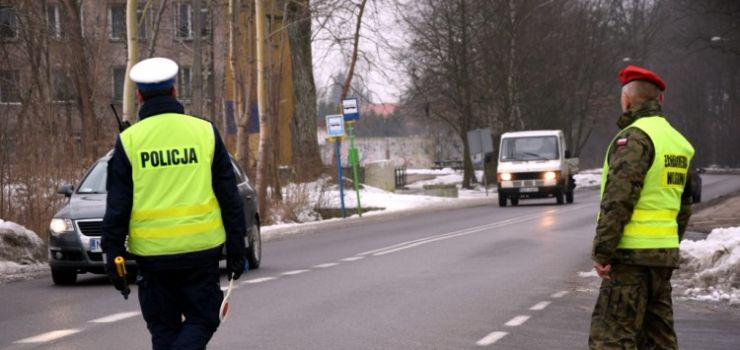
120	201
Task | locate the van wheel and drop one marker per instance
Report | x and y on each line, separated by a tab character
569	196
63	276
501	200
514	201
254	252
559	197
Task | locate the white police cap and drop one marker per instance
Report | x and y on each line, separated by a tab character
157	73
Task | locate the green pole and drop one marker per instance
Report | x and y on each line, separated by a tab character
354	159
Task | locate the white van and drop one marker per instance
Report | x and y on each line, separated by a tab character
535	164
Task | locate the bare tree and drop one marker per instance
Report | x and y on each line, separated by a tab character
305	147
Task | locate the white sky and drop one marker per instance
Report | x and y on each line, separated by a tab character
384	79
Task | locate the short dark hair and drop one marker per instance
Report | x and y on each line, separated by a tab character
145	95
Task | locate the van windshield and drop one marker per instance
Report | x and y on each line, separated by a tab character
529	148
95	180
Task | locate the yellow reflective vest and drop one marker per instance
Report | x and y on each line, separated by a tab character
174	208
653	223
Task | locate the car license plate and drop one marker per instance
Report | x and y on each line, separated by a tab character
95	245
528	189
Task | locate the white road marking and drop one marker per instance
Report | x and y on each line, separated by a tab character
491	338
353	258
259	280
540	306
116	317
294	272
418	242
323	266
559	294
47	337
517	321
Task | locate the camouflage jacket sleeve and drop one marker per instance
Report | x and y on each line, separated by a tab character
630	158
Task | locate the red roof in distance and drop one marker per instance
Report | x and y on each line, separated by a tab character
382	109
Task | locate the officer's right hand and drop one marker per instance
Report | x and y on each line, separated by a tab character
235	265
119	282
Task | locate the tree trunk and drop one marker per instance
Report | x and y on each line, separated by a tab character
196	73
306	156
353	59
262	105
132	42
80	72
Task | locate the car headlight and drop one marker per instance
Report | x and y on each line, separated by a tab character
60	225
551	175
506	176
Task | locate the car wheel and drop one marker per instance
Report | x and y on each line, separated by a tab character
514	201
63	275
559	198
696	198
254	252
569	196
501	200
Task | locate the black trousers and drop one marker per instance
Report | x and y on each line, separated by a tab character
181	306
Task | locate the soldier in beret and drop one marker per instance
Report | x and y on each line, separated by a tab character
645	207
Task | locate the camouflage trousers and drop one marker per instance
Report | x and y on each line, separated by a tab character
634	310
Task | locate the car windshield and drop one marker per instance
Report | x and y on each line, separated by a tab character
95	180
529	148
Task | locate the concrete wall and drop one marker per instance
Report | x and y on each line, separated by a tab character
412	152
381	174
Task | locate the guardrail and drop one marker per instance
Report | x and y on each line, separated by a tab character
449	163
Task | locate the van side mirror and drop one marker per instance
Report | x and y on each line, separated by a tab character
567	153
66	189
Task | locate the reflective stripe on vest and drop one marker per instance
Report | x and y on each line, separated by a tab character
174	208
653	223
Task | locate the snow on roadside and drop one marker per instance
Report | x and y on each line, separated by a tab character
445	171
710	268
588	178
22	252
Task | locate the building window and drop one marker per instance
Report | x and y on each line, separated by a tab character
8	23
63	90
117	22
119	77
9	92
184	84
184	21
54	21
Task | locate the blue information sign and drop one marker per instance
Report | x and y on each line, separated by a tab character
351	109
335	125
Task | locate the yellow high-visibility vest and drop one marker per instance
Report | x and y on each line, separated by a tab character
653	223
174	208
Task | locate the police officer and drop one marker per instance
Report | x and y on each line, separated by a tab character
645	207
172	191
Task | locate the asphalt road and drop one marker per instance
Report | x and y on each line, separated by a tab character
481	277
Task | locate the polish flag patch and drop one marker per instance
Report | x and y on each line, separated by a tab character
622	141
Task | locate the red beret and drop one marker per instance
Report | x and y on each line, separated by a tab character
631	73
